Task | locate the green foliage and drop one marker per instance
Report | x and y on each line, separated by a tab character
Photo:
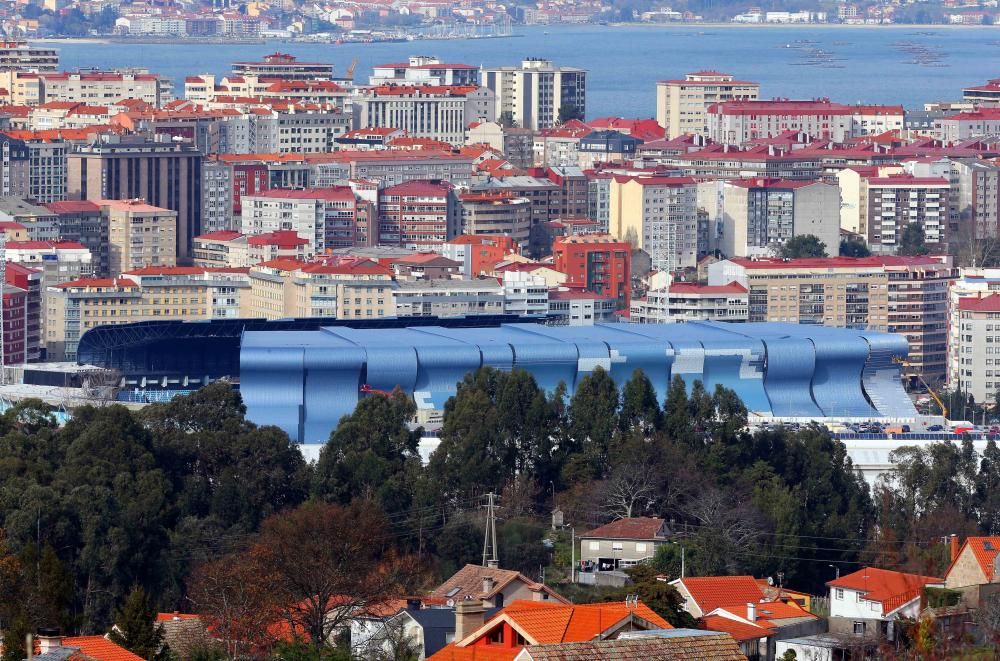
803	245
371	454
660	596
136	629
569	112
854	248
521	546
912	240
941	597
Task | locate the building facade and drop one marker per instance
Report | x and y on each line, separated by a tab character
533	94
681	105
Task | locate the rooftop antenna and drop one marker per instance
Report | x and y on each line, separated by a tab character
490	541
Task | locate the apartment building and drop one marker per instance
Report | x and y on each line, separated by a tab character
448	298
975	363
284	67
14	343
971	283
525	294
597	263
892	202
758	215
658	215
326	217
479	253
82	221
97	87
351	288
906	295
440	112
217	188
395	166
15	167
232	249
55	261
496	213
978	123
689	301
682	105
532	94
424	70
738	122
987	94
22	56
139	235
418	215
164	174
976	196
39	223
187	293
29	280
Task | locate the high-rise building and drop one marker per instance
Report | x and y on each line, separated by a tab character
535	94
758	215
496	213
658	215
326	217
597	263
83	222
29	280
892	202
139	235
418	214
681	105
424	70
21	56
426	111
164	174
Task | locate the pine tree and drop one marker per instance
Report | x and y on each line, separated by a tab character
640	410
136	629
676	416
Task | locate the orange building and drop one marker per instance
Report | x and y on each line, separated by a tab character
598	263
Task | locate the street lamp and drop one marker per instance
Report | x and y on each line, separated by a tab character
836	569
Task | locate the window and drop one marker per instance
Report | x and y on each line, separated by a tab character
595	546
859	628
616	546
858	597
840	593
640	548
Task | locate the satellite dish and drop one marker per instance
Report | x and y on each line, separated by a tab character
770	581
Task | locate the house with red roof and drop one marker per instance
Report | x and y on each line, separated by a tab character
867	600
974	563
621	544
503	636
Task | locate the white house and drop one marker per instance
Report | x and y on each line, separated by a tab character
867	601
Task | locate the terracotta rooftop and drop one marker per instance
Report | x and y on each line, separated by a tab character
696	646
984	549
468	581
642	527
711	592
739	630
891	588
100	648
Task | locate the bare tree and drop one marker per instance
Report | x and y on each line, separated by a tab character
631	491
988	617
389	641
976	247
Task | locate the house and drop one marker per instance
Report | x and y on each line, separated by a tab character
758	626
704	594
533	623
667	645
622	543
869	600
92	648
495	587
184	633
830	647
975	568
426	629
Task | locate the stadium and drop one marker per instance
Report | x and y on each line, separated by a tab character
304	380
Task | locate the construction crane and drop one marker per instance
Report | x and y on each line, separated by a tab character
931	391
350	69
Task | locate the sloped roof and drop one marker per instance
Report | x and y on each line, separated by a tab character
641	527
983	555
469	583
693	647
100	648
711	592
891	588
548	623
739	630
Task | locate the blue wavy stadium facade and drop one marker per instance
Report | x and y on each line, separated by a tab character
304	380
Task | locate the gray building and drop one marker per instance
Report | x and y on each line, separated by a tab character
533	94
621	544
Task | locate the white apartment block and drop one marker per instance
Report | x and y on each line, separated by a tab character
681	104
441	113
533	93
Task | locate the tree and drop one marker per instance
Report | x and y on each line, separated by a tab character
639	411
593	418
327	563
676	415
136	629
569	112
854	248
372	454
912	240
506	119
803	245
660	596
631	492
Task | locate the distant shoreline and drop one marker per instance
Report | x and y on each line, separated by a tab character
916	27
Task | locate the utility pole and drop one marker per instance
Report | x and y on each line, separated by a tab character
490	542
572	557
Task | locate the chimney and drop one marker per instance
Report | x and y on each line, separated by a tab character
488	583
48	640
751	611
954	547
492	563
29	646
469	616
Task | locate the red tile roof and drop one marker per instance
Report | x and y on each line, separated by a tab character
45	245
336	193
279	238
985	557
695	288
989	303
221	235
892	589
642	527
72	206
421	188
167	617
739	630
100	648
711	592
